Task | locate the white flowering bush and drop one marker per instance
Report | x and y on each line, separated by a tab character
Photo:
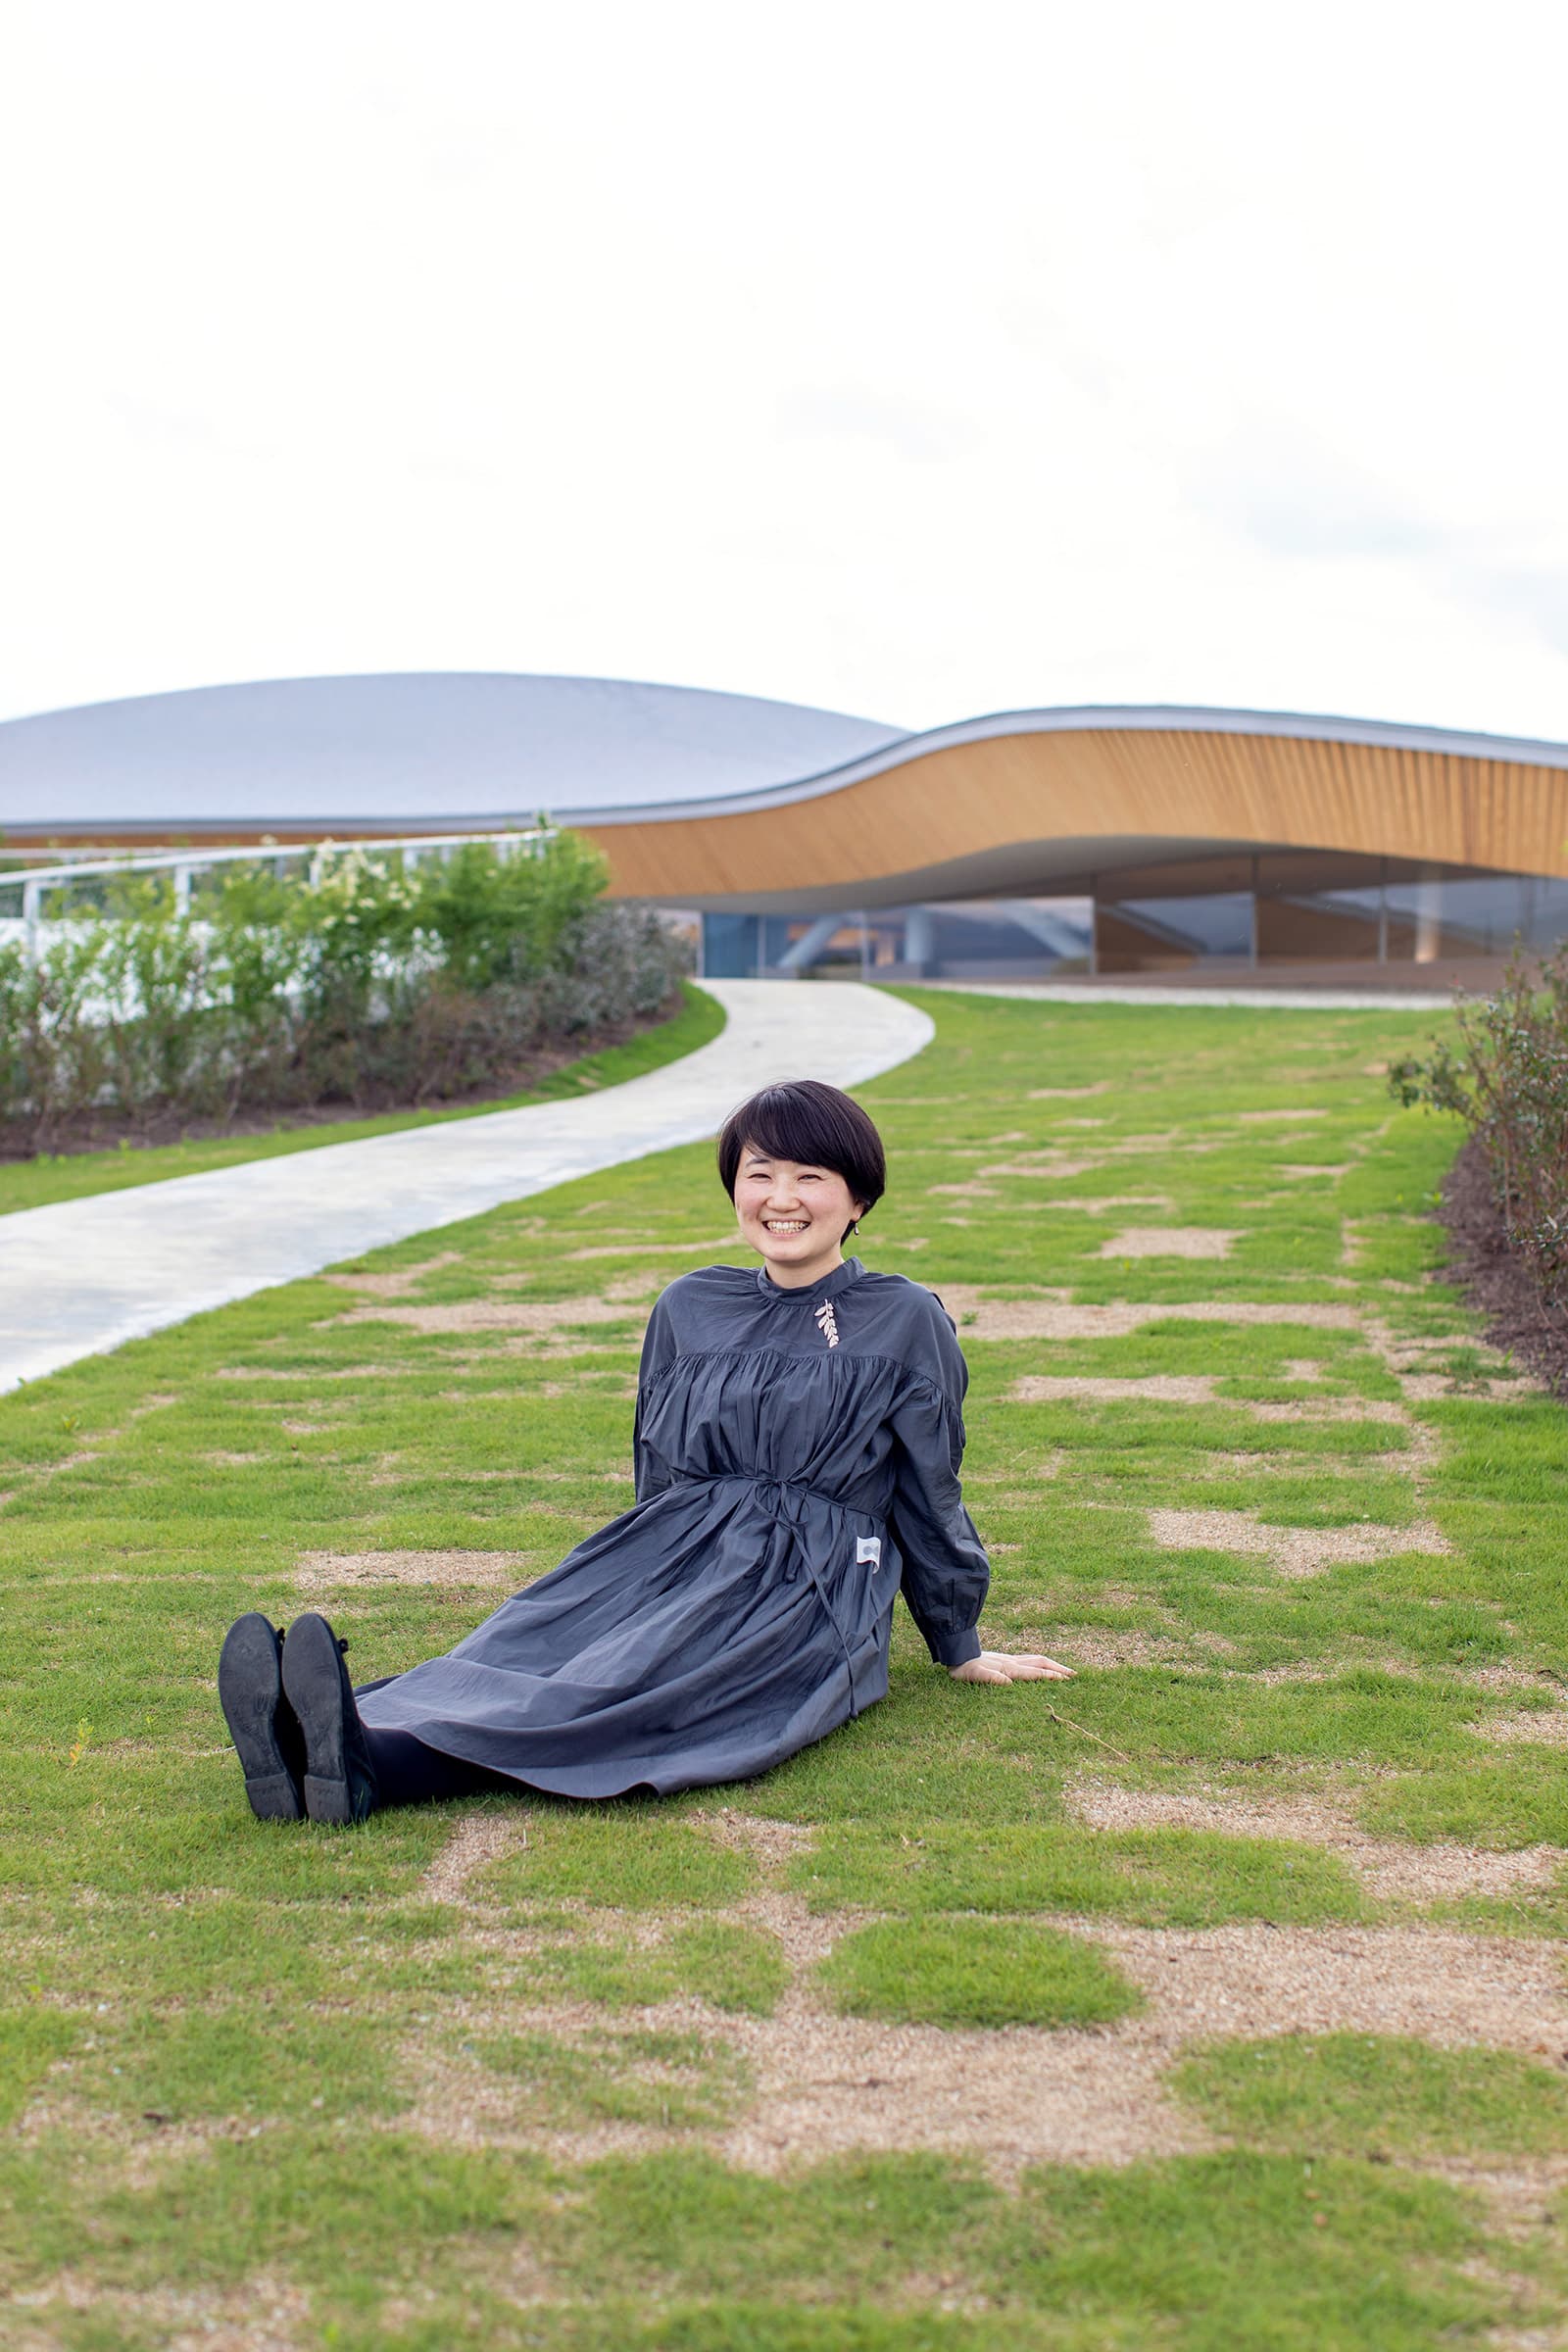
358	982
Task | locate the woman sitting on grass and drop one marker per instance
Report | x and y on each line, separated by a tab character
797	1440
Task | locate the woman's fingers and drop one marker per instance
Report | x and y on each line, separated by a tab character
1027	1666
1008	1666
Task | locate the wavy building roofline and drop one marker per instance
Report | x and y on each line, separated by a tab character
1058	802
718	802
1174	719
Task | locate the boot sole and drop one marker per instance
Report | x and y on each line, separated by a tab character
313	1680
249	1689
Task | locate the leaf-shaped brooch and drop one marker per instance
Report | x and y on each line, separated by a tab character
827	1323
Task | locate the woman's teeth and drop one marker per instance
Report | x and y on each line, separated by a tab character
785	1224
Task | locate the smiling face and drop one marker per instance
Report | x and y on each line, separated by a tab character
795	1213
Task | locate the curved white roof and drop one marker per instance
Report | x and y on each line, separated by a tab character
451	749
408	747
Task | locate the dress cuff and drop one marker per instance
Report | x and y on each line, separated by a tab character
955	1649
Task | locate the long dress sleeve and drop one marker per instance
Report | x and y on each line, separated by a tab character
651	1473
945	1574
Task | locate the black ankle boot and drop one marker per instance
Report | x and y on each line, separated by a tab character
261	1722
338	1782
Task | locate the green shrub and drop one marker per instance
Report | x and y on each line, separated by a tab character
1507	1079
506	920
51	1050
358	982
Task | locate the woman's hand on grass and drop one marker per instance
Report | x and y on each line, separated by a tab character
1008	1666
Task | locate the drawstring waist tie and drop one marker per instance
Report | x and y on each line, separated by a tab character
784	1500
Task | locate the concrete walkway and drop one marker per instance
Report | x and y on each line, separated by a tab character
82	1276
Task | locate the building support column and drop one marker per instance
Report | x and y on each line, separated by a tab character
919	939
804	952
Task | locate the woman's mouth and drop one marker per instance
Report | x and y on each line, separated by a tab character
785	1226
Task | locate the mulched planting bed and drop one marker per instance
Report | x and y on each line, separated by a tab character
1495	1281
107	1129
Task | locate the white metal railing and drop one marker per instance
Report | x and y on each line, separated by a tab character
184	864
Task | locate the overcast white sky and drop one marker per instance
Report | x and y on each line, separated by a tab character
913	361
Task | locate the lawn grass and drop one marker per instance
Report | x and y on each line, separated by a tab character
72	1175
1154	1877
1360	2094
529	2074
714	1960
974	1972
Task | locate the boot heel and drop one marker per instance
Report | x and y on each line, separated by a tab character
260	1724
339	1777
327	1800
273	1797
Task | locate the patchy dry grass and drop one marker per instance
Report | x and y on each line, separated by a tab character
995	2018
1170	1240
467	1571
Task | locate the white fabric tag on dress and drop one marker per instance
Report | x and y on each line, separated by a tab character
869	1547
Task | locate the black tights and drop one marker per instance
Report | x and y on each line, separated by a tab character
408	1773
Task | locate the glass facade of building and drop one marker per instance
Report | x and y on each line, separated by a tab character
978	939
1305	909
1272	911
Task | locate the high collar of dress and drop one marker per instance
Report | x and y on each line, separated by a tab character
839	1280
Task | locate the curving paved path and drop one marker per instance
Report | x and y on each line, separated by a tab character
82	1276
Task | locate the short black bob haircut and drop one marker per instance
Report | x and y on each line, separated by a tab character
813	1125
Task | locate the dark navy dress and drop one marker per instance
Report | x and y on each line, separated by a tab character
797	1461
